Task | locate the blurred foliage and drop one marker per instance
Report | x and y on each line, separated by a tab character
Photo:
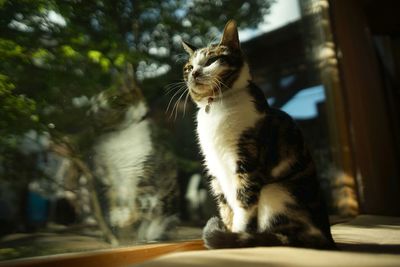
53	53
16	112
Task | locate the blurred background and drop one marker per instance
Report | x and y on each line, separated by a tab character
97	143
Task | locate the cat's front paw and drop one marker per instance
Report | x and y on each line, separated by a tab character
213	224
214	233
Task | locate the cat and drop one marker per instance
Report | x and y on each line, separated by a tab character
262	174
136	174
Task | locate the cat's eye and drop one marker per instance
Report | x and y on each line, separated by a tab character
212	60
188	68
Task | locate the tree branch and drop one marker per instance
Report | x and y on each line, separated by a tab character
64	149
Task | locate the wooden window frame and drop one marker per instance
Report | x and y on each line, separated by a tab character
373	143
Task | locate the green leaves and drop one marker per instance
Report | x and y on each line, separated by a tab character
97	57
9	48
120	60
54	52
94	55
69	52
5	85
16	111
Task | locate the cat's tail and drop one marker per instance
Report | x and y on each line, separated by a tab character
215	236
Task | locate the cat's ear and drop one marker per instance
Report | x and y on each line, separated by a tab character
230	37
188	47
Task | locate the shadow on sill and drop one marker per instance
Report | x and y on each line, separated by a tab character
369	248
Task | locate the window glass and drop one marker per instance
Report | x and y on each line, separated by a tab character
97	140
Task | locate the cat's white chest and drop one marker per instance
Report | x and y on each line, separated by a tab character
218	140
219	132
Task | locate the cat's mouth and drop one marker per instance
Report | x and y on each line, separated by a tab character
201	91
199	82
201	88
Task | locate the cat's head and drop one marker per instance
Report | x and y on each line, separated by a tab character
211	71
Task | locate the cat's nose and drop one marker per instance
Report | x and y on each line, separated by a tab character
195	74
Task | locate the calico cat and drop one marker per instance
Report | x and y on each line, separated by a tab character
262	174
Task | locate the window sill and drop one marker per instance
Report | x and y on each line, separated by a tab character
110	257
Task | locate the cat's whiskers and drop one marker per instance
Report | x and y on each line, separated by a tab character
173	86
220	85
184	105
180	89
174	95
216	85
176	105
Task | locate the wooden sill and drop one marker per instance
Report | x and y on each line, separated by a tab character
109	257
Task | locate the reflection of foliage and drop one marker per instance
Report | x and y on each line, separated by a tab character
16	111
54	51
57	57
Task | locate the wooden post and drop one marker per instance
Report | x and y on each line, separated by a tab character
373	141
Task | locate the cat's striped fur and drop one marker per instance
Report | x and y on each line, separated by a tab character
262	174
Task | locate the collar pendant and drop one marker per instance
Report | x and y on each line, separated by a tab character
208	106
